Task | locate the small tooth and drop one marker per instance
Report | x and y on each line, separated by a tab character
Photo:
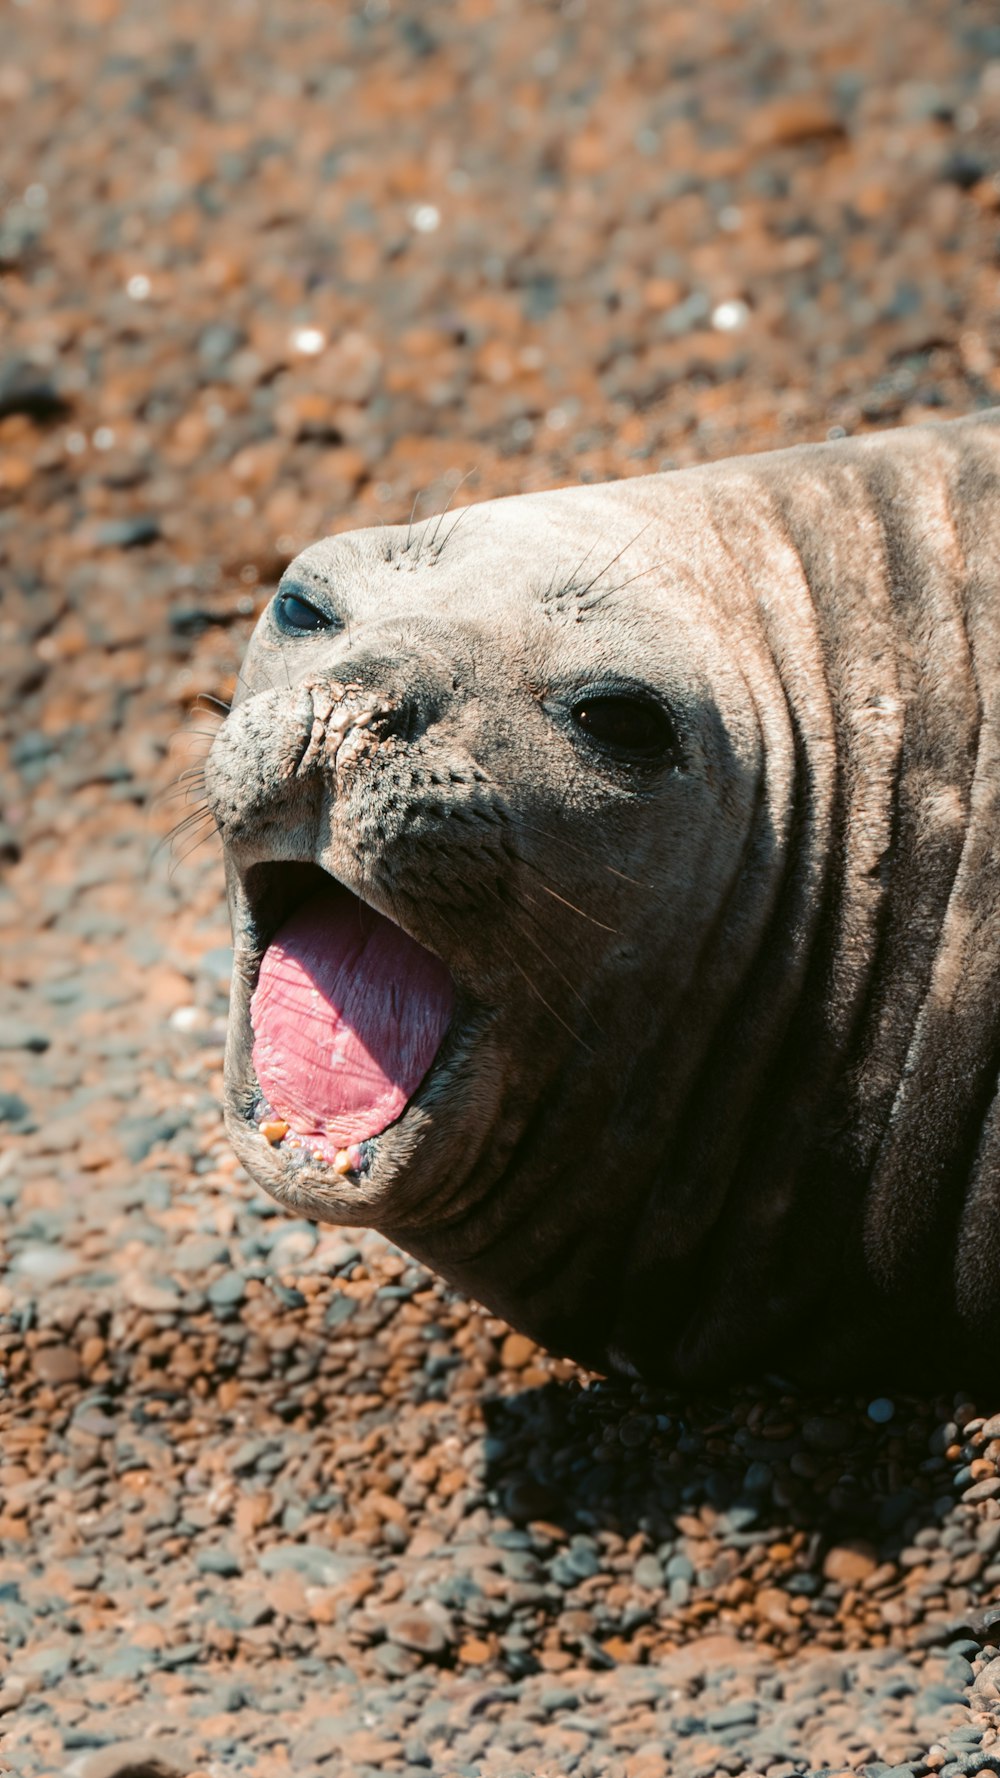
342	1161
273	1131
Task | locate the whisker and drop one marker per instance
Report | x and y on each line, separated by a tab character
207	697
570	579
180	832
459	516
553	965
176	791
549	590
562	943
433	538
189	851
409	528
572	904
561	840
531	984
181	827
191	775
602	571
529	864
550	1009
620	586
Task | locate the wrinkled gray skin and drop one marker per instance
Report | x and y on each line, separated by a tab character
720	1087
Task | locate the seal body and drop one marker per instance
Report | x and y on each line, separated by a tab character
687	787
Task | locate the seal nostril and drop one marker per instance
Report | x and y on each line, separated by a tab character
405	721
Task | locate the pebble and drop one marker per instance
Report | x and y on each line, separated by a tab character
322	1567
130	1759
881	1410
127	533
648	1573
15	1034
227	1292
45	1265
413	1630
218	1561
57	1364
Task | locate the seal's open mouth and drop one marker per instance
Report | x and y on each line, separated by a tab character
347	1015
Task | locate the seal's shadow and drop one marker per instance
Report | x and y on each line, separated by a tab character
749	1461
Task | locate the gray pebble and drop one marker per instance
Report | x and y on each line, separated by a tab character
197	1253
732	1716
217	1561
127	533
17	1034
648	1573
679	1567
556	1698
228	1291
938	1697
320	1567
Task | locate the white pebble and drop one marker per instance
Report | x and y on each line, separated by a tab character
730	316
45	1265
139	287
425	218
185	1018
308	340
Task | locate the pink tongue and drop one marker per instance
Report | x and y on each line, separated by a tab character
347	1017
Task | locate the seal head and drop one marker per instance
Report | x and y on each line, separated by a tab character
478	823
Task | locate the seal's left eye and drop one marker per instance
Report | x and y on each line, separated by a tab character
633	726
293	613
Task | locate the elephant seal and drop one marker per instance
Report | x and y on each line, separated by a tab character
615	882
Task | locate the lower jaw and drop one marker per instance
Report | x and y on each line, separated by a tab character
352	1161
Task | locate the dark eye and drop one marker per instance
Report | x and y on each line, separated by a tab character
634	726
293	613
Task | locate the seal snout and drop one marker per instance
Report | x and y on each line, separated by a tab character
338	1012
334	722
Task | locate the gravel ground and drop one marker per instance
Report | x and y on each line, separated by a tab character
271	1499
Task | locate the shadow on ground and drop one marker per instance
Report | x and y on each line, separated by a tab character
764	1466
